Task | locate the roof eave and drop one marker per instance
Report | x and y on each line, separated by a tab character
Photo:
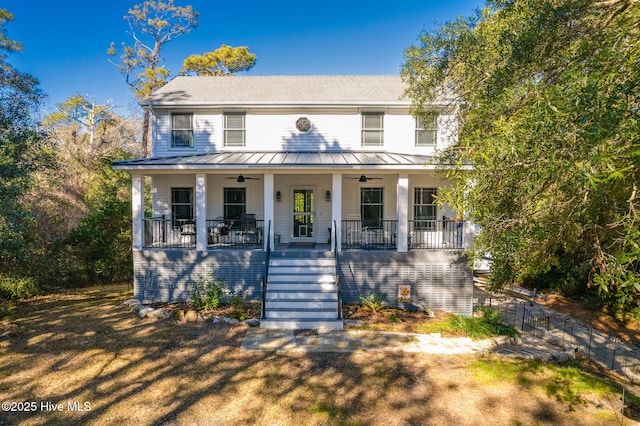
332	104
177	167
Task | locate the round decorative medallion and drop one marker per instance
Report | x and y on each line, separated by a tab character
303	124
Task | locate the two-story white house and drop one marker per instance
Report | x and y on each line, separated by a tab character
325	185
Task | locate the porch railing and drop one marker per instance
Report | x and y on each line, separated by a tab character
235	233
368	235
161	232
169	233
265	276
336	254
443	234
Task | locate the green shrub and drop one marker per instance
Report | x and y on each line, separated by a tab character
490	315
238	302
13	287
394	319
207	292
375	302
485	326
5	310
474	327
98	250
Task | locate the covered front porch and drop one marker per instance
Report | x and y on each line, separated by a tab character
381	210
246	200
445	234
374	213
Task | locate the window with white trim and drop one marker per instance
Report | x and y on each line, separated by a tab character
424	207
235	204
234	129
372	129
371	207
427	130
182	130
182	205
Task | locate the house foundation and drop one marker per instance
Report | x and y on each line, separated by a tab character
436	279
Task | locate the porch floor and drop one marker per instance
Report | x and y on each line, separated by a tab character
283	247
306	248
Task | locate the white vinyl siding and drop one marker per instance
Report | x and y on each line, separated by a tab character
274	129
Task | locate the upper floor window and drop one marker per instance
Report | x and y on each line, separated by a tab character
427	130
372	128
181	130
234	130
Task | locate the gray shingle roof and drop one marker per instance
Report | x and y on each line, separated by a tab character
281	90
271	159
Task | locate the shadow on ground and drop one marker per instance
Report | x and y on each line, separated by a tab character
89	348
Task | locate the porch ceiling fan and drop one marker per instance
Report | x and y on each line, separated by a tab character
364	179
241	178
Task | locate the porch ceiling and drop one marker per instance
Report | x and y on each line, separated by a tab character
280	159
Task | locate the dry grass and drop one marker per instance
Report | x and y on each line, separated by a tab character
400	321
87	347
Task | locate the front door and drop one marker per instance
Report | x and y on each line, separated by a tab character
303	212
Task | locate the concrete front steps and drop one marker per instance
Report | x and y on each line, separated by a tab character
302	292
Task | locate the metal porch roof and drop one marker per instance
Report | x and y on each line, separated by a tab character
279	159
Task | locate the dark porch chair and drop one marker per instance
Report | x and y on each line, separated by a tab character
250	233
220	231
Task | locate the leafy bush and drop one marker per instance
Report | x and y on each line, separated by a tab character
5	310
394	319
238	301
474	327
13	288
489	324
207	292
490	315
99	250
375	302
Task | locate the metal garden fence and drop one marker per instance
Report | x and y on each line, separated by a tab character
538	321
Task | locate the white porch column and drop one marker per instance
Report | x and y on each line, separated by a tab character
137	210
469	229
269	209
336	209
201	212
403	212
468	235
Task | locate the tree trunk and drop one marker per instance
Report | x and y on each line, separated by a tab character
145	133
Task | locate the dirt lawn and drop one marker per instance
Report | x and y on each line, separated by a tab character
84	358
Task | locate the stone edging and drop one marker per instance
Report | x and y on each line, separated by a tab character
182	316
525	348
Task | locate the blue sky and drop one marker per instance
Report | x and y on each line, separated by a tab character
65	42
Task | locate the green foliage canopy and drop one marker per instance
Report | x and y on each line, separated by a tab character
225	60
549	114
83	211
22	149
152	24
45	238
6	44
